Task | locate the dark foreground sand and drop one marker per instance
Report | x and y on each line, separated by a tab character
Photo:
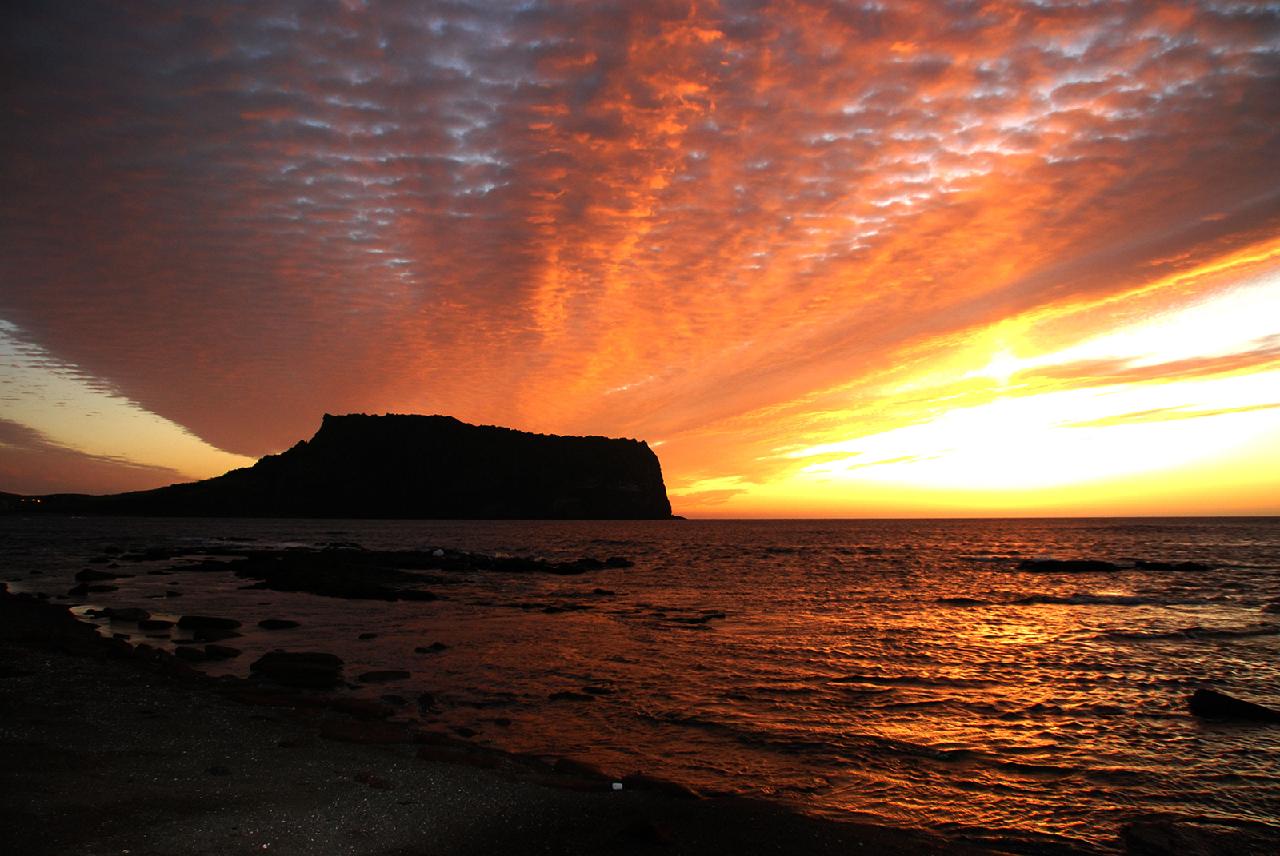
103	751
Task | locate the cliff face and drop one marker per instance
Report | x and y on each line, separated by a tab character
419	467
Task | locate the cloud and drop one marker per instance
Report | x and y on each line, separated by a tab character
1164	414
242	216
30	464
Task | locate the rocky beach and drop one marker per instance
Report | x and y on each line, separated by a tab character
114	748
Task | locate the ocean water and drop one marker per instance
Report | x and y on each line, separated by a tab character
901	671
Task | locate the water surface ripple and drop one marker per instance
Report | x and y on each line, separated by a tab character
900	670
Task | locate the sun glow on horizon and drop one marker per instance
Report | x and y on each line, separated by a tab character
1149	405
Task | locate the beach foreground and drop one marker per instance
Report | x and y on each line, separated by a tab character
112	751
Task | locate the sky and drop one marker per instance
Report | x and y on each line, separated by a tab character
837	259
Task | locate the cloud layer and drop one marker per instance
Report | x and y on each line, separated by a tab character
648	219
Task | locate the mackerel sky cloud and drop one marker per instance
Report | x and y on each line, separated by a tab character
738	228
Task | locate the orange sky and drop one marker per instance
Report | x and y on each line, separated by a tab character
829	259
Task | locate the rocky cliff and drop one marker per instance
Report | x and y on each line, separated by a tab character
417	467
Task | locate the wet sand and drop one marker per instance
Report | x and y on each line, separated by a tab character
108	751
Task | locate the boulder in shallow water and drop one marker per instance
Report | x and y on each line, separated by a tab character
433	648
277	624
311	669
1215	705
207	622
221	652
1067	566
191	655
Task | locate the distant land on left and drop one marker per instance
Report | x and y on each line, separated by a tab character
414	467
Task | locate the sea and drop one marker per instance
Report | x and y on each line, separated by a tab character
905	672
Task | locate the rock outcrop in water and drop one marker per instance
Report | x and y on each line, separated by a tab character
415	467
1215	705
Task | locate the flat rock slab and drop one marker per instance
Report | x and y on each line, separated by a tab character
311	669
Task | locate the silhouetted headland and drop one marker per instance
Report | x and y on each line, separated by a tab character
423	467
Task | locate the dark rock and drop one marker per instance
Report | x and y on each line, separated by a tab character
191	655
352	574
131	613
277	624
1215	705
618	562
221	652
211	635
415	467
597	691
300	668
396	700
206	622
368	636
381	675
603	591
1067	566
464	731
433	648
89	575
426	701
155	624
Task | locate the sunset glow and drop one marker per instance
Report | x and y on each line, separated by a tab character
829	259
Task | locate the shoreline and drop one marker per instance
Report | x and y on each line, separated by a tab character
119	748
